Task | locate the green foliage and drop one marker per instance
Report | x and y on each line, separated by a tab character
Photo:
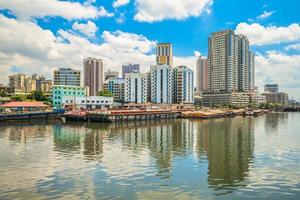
3	93
105	93
37	96
18	97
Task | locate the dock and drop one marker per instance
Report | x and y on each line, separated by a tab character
16	117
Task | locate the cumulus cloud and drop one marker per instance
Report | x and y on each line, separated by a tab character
119	3
293	47
89	29
261	35
280	68
47	51
158	10
41	8
266	14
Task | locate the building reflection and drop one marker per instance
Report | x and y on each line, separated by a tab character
272	121
229	147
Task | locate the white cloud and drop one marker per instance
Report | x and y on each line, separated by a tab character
88	29
293	47
158	10
266	14
279	68
260	35
119	3
42	8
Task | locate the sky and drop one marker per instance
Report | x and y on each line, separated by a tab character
38	36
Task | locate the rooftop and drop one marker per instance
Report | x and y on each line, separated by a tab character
24	104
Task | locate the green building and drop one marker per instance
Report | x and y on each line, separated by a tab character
61	91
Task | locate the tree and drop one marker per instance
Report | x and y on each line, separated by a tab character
37	96
105	93
3	93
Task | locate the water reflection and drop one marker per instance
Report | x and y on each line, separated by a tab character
189	158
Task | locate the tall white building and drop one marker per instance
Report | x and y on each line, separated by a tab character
136	87
243	78
201	74
183	85
161	84
223	61
93	75
251	71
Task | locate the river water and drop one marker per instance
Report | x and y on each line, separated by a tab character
228	158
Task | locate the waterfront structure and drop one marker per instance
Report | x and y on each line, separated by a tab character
273	88
244	64
183	85
87	102
93	75
17	82
223	62
238	99
277	97
117	88
126	69
60	91
67	76
201	75
111	75
136	87
25	105
164	54
251	71
162	84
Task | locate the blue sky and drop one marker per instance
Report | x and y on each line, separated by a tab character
41	35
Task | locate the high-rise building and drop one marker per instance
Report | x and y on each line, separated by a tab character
30	84
251	71
161	84
67	76
136	87
183	85
46	86
201	74
164	54
117	88
271	88
126	69
93	75
223	61
243	69
109	75
17	81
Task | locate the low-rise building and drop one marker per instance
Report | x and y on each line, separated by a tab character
257	99
277	97
88	102
237	99
60	91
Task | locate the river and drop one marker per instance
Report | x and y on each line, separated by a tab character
226	158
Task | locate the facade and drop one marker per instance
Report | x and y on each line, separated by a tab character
67	76
93	75
183	85
111	75
277	97
251	71
244	65
126	69
17	81
88	102
162	84
60	91
238	99
271	88
117	87
257	99
201	75
136	87
30	84
164	54
223	61
46	86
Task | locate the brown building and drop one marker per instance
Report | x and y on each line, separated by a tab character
93	75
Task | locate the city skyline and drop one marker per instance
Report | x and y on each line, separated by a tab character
122	32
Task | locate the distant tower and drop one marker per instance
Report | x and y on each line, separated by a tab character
93	75
67	76
164	54
201	74
251	71
126	69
